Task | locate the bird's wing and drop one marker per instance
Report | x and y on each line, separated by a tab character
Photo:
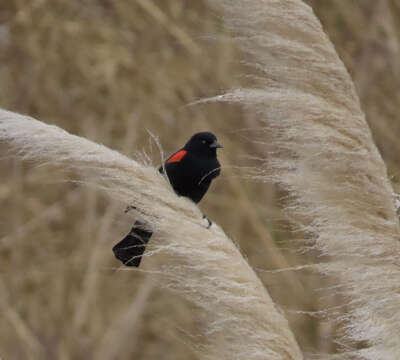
174	158
178	156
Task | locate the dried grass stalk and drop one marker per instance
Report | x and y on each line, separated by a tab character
321	151
201	264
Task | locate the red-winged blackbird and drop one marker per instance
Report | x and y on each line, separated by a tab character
190	171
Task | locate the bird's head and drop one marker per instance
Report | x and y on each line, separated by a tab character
203	143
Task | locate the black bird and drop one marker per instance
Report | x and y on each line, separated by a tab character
190	171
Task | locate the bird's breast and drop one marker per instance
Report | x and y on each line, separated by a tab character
192	176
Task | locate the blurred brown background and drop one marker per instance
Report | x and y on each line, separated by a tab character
113	71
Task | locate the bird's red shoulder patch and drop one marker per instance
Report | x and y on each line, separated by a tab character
177	156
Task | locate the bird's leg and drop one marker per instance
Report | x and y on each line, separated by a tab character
208	220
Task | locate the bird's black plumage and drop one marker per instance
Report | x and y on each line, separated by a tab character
190	171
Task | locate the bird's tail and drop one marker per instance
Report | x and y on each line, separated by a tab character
131	248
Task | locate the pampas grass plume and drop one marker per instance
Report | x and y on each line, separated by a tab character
201	264
322	152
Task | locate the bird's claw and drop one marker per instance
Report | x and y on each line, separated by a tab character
129	208
208	220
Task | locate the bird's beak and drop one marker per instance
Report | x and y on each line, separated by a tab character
215	145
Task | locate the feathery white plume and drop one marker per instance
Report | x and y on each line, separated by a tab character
322	152
201	264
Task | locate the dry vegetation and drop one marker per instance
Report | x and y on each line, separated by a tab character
110	70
